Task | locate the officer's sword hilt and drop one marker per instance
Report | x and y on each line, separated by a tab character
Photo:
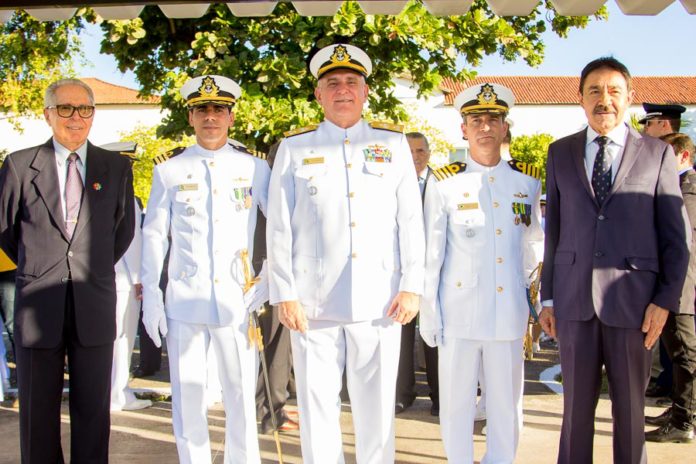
256	338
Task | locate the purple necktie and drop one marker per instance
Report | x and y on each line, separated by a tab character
601	171
73	194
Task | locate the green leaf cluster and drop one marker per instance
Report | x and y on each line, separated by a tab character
268	55
532	149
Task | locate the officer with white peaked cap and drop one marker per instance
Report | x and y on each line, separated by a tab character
484	237
207	197
345	250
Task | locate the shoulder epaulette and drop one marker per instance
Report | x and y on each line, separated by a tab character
239	146
159	159
387	126
525	168
449	171
301	130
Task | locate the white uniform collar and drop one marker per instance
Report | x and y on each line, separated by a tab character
474	166
349	131
211	153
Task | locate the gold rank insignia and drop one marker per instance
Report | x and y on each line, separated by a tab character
208	88
450	170
487	96
301	130
159	159
384	125
525	168
239	146
466	206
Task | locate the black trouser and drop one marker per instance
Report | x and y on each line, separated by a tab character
276	341
40	379
679	337
406	379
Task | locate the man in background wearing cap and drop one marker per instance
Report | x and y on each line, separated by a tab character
661	120
484	237
676	423
207	197
345	247
66	218
614	262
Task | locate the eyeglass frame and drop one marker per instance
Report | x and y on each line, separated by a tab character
79	110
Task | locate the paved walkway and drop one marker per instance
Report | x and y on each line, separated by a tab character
144	437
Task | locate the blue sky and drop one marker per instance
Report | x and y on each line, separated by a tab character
661	45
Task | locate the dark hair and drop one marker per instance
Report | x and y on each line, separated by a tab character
680	143
508	137
605	62
418	135
675	124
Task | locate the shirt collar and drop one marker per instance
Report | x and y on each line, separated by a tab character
211	153
62	153
480	167
617	135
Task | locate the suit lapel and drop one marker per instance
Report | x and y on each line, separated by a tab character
634	143
95	182
46	183
578	154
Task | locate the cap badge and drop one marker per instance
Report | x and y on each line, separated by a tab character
487	96
340	55
208	88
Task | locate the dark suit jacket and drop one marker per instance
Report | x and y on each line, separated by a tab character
687	182
614	260
32	233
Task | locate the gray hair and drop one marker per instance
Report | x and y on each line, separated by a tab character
50	95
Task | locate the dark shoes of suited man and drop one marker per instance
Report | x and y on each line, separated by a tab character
662	419
668	433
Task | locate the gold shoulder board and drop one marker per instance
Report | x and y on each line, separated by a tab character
525	168
301	130
387	126
239	146
449	171
159	159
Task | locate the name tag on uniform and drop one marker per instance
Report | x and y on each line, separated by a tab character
317	160
187	187
467	206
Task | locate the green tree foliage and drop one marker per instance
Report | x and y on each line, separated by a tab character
532	149
32	55
149	146
268	55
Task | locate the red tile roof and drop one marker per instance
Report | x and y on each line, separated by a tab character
111	94
563	90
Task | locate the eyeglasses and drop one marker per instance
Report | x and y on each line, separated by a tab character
66	111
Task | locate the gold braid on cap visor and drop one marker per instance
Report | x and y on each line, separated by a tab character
229	101
330	65
480	109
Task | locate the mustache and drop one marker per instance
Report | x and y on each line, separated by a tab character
601	109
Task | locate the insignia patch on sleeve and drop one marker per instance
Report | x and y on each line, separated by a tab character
525	168
450	170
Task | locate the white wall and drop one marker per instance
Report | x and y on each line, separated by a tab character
109	122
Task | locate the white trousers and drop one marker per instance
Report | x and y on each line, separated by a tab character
369	353
503	367
127	314
187	345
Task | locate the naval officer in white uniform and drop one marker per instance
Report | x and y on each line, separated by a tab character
128	296
346	254
207	197
484	237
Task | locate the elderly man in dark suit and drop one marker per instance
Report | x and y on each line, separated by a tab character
66	217
614	264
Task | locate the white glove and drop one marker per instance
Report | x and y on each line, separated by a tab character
155	321
257	295
432	338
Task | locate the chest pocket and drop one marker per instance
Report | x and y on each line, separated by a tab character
311	179
469	224
377	170
187	203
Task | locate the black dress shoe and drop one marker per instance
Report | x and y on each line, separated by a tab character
661	420
140	372
435	410
656	391
670	434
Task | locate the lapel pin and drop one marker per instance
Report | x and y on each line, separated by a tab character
97	186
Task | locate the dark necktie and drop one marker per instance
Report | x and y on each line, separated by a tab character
601	172
73	194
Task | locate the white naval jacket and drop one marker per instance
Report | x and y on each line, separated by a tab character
128	267
345	224
208	201
484	238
